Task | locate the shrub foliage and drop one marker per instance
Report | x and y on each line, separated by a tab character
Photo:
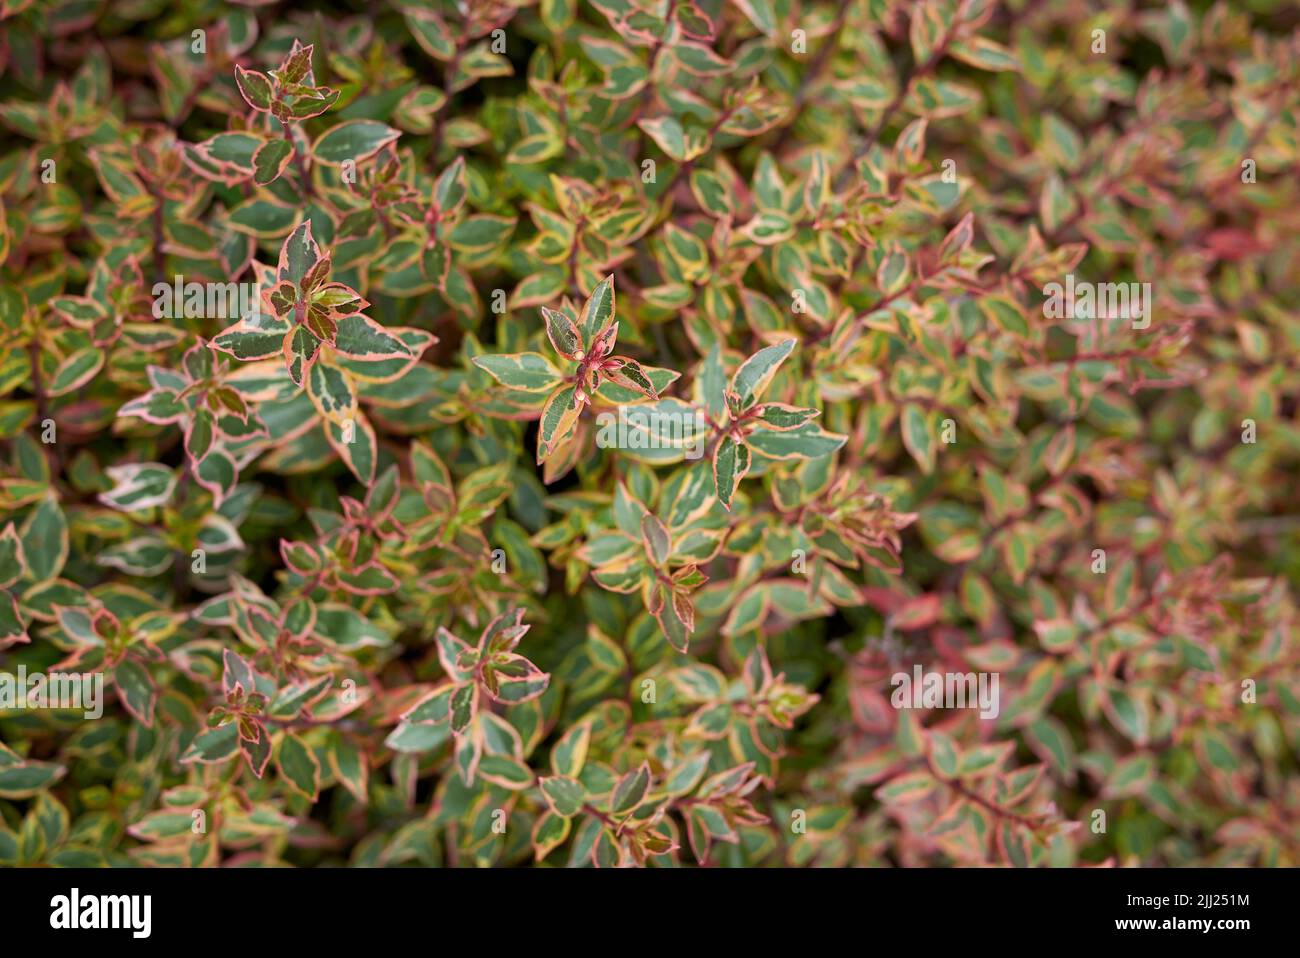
538	431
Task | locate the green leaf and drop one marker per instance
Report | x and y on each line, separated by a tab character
984	54
713	384
731	461
565	795
1050	739
757	371
162	825
669	136
506	772
300	352
13	564
943	754
25	779
570	752
630	791
658	544
270	160
290	700
685	775
1131	777
354	140
918	437
255	88
1005	314
565	336
431	33
249	346
331	390
809	441
299	254
481	232
136	690
214	745
464	706
299	767
908	788
783	418
74	372
359	337
893	273
349	767
549	833
45	537
1129	714
559	416
531	372
262	218
449	190
598	313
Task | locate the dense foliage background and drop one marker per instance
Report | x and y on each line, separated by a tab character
368	585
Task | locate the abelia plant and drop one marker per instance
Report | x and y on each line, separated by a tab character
649	432
587	340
